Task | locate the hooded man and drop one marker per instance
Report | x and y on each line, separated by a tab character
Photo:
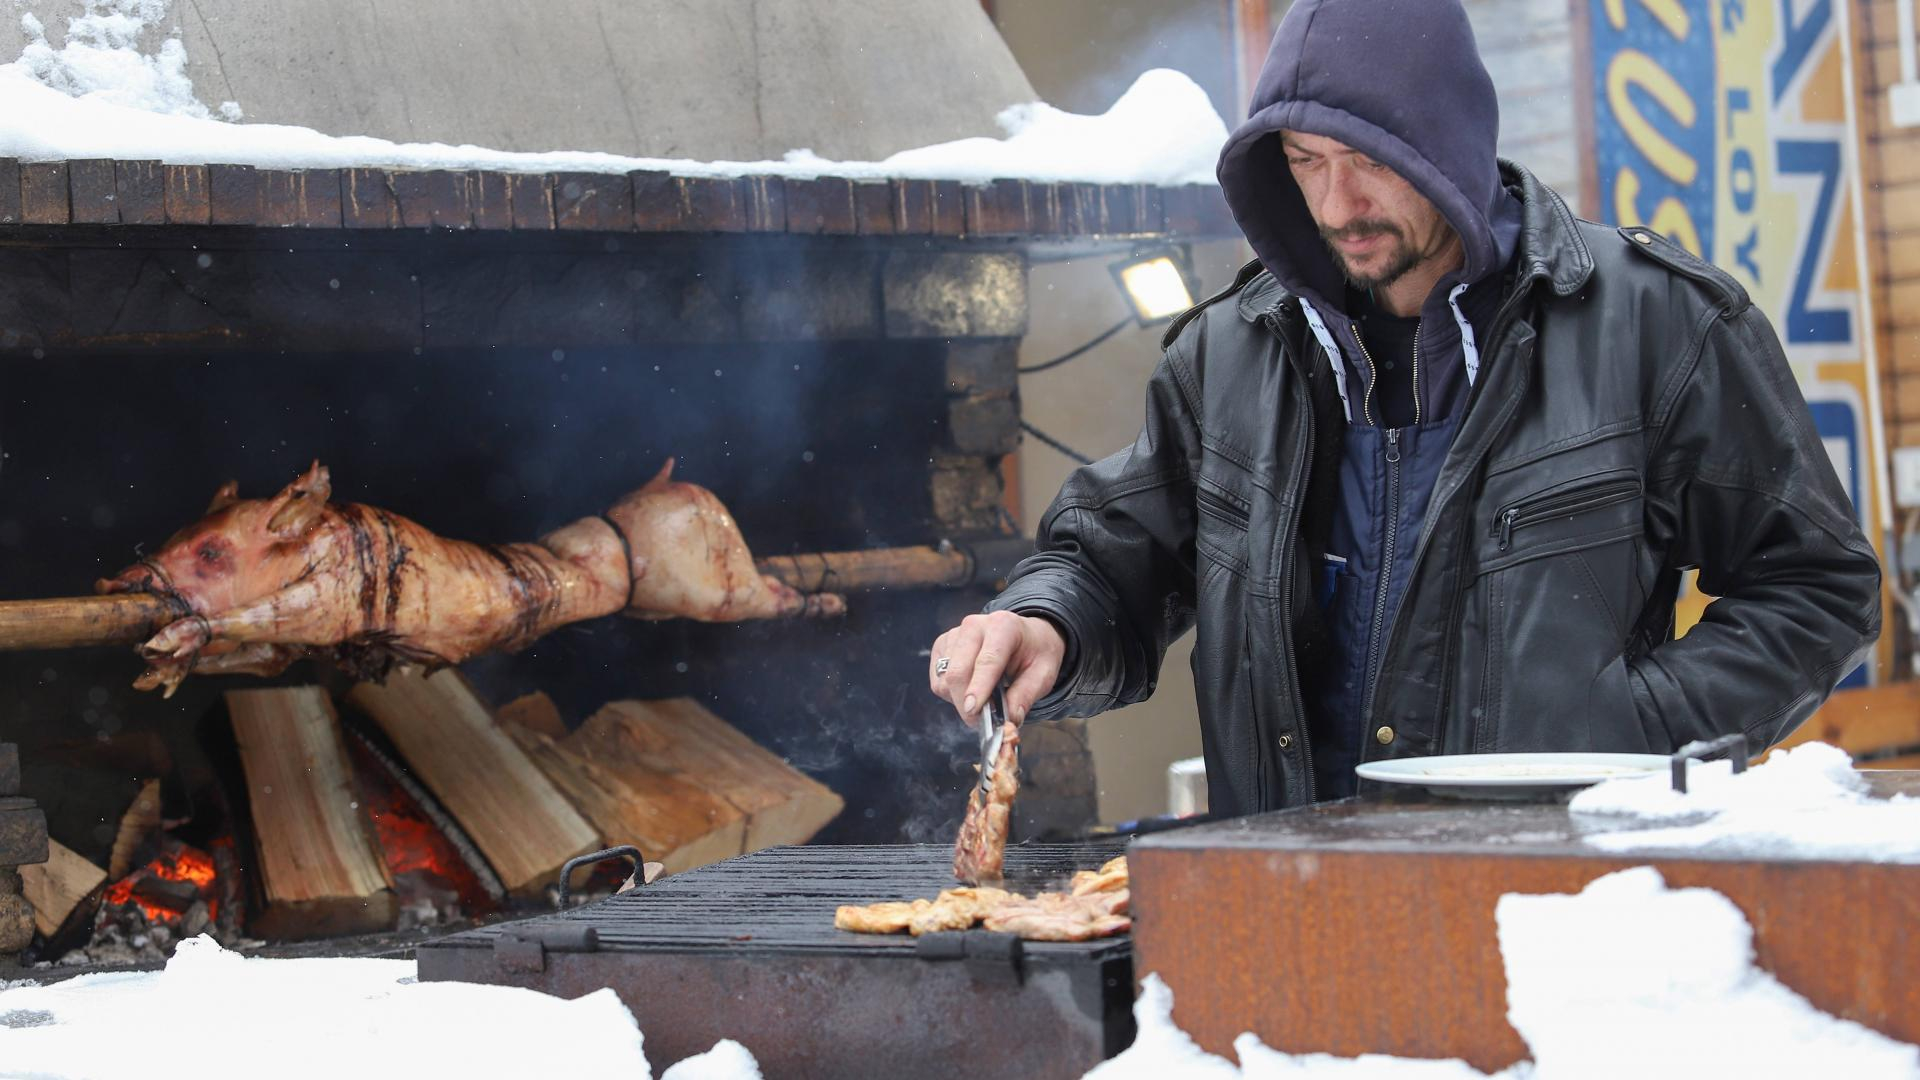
1425	478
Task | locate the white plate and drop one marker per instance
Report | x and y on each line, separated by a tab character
1495	772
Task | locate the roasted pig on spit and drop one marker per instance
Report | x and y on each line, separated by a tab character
1096	907
259	583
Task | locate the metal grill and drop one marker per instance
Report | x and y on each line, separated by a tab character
784	898
746	949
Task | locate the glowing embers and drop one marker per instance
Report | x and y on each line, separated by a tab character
435	882
168	889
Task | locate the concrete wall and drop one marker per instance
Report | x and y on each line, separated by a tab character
701	79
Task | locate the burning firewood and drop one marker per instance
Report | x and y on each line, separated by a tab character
259	583
524	825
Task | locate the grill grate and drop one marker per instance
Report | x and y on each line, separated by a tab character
783	899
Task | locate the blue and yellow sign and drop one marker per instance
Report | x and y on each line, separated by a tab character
1723	124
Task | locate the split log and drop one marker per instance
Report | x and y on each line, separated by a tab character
679	737
668	818
534	712
65	893
321	871
141	820
516	816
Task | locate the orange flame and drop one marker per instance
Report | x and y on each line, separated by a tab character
179	862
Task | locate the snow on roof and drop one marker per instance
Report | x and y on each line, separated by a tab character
98	96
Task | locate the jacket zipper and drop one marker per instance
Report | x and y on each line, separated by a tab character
1373	374
1503	319
1392	515
1286	587
1533	510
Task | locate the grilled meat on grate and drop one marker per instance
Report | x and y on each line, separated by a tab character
1097	907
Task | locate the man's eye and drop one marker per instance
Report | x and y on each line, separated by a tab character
1299	162
1374	165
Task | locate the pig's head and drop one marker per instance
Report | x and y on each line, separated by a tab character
242	551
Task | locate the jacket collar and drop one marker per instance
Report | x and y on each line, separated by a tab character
1551	248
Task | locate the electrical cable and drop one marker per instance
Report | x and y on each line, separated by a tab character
1075	354
1055	443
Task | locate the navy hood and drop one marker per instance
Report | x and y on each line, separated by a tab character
1398	80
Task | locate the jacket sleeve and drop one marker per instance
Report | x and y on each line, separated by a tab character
1114	565
1741	487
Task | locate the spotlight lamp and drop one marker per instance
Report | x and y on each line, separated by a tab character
1157	283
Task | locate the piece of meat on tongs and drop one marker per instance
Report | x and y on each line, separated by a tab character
980	851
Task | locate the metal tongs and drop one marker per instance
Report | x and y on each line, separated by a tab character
993	735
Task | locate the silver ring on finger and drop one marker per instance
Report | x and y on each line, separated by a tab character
940	665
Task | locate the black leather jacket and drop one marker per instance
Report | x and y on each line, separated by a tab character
1635	417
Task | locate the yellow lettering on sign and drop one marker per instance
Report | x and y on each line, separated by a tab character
1670	218
1631	67
1669	12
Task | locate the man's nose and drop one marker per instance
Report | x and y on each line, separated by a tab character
1343	201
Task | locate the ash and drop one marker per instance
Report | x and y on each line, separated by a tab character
125	936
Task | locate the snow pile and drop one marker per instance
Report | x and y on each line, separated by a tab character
319	1019
1629	978
1163	130
1160	1049
102	62
99	96
1806	801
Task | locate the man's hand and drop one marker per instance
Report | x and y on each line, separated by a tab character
987	649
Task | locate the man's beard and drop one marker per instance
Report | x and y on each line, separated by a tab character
1402	258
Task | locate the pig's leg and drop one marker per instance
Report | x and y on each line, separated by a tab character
296	616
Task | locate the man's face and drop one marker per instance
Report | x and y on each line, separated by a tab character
1373	221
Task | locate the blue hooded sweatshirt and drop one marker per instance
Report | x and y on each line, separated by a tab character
1402	82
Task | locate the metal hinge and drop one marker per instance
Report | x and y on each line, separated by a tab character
525	948
991	958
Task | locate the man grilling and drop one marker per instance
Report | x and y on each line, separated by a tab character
1425	478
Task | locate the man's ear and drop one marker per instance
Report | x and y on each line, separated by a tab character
300	503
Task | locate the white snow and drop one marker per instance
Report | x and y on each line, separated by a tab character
1160	1049
1807	801
1626	979
214	1015
98	96
1630	978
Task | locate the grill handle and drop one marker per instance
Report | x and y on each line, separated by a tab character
1706	749
627	851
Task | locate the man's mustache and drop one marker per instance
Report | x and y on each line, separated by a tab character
1360	230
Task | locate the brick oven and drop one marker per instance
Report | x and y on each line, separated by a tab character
493	355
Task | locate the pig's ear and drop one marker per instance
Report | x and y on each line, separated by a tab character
227	495
300	504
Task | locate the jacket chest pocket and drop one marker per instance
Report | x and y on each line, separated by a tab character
1223	494
1582	513
1560	579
